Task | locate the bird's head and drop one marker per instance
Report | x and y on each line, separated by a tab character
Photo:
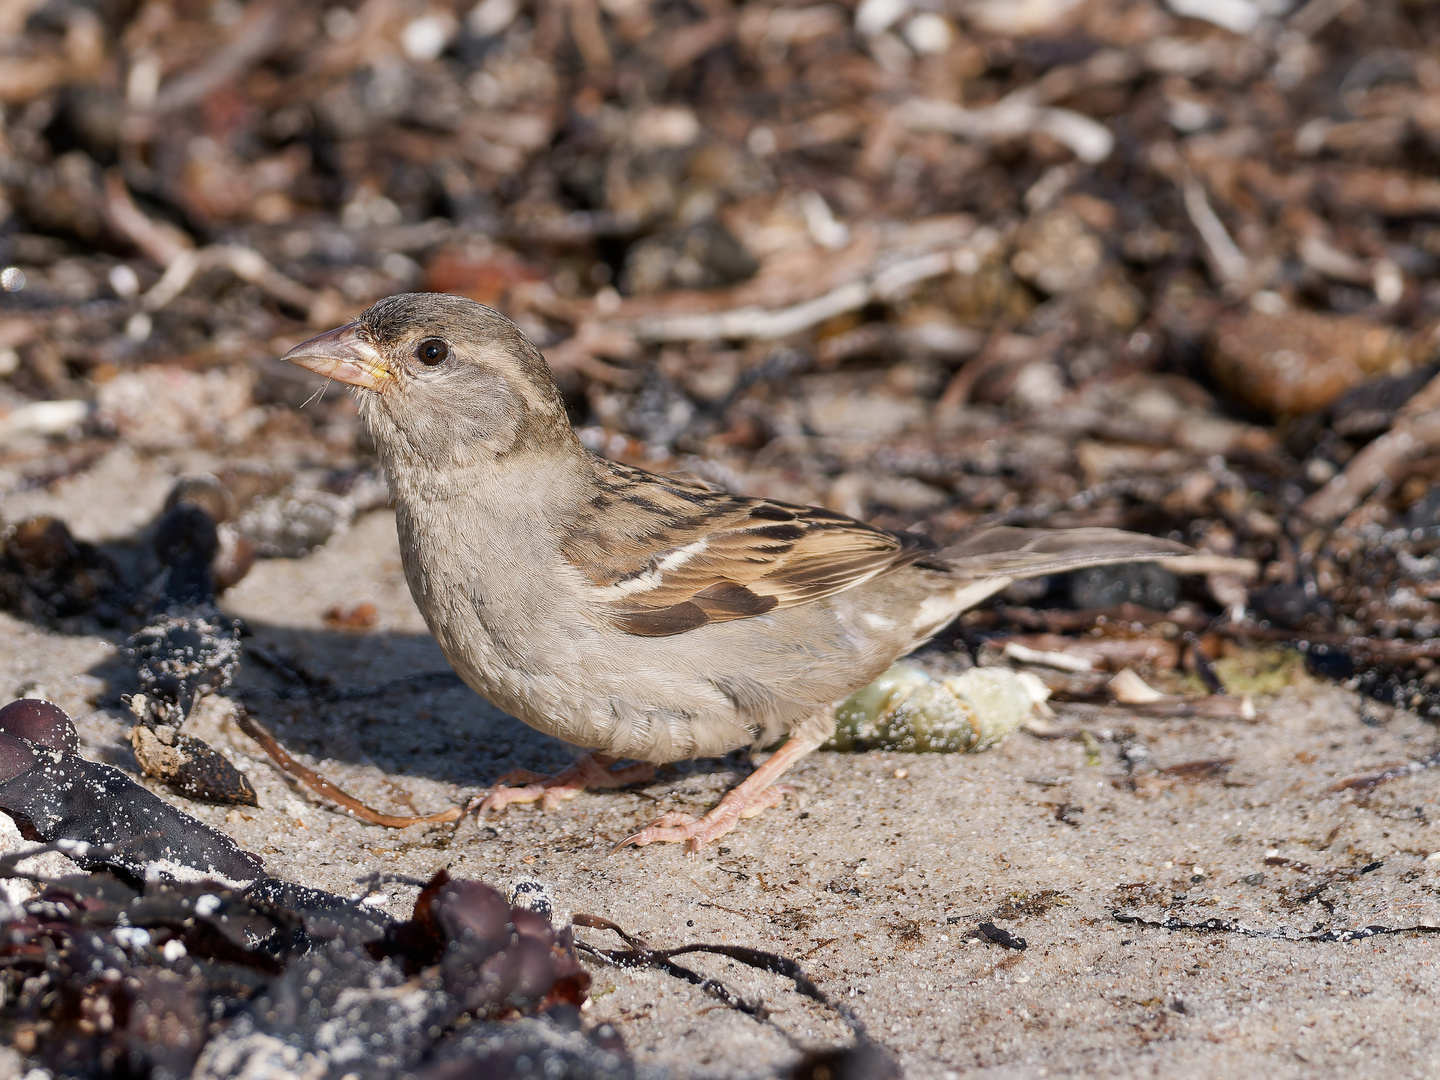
442	380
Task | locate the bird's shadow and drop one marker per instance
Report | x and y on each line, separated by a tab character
382	698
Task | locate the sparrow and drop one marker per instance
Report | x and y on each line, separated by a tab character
639	616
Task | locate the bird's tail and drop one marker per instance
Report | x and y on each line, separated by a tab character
1013	554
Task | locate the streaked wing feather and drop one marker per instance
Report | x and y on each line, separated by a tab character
688	557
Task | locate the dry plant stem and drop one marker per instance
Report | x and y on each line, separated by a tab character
256	34
171	249
1416	431
1366	781
1316	15
321	786
1215	707
1057	621
746	799
161	243
1394	650
998	351
1225	258
589	35
755	323
1010	118
593	771
1207	563
245	263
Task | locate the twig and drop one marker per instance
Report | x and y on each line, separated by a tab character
173	250
244	262
256	34
1204	668
321	786
1215	707
1366	781
640	954
1225	258
1387	649
160	243
1018	114
1416	431
1001	350
1206	563
886	282
589	35
583	350
1057	621
1316	15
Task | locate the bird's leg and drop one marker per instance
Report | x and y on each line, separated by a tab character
591	771
756	793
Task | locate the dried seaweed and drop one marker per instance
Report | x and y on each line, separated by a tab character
218	981
1229	926
866	1056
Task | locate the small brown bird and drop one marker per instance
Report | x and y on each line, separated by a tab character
643	616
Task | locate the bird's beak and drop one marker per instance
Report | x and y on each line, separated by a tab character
342	354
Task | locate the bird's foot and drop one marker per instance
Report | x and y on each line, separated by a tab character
757	792
694	833
592	771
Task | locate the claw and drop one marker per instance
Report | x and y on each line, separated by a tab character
694	833
673	822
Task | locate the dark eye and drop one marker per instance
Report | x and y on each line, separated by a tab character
432	351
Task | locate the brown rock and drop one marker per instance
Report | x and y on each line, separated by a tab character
1297	362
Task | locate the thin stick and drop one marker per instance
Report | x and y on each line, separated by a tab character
1393	650
1415	432
321	786
755	323
1225	258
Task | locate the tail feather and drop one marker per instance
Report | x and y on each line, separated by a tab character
1007	552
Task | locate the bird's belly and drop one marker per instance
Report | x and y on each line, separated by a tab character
551	669
635	712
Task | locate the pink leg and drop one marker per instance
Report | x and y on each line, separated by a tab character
590	772
757	792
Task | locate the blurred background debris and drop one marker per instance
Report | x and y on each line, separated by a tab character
941	264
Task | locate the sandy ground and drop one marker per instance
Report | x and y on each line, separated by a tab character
880	874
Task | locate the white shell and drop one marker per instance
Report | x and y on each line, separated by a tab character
905	709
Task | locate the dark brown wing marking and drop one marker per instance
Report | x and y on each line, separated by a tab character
685	556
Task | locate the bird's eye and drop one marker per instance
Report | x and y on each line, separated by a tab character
432	351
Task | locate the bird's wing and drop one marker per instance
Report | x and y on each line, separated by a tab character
666	557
